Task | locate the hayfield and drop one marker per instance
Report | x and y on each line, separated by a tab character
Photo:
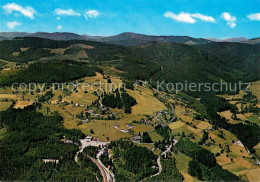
101	130
185	118
8	96
255	88
239	150
253	175
236	96
21	104
142	128
146	102
5	105
176	125
155	136
223	159
226	114
182	166
203	125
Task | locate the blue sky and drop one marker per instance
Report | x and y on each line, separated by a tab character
196	18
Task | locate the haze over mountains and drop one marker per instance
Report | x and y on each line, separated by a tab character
125	39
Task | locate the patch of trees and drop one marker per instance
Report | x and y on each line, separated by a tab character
163	131
203	164
128	84
50	72
48	95
89	151
247	133
36	48
195	151
169	172
134	67
30	137
216	173
205	136
123	100
146	138
135	159
106	161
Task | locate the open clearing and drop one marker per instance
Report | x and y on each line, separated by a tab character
255	88
253	175
142	128
8	96
203	125
155	136
146	102
101	130
5	105
21	104
176	125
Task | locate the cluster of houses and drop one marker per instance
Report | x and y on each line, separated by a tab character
155	116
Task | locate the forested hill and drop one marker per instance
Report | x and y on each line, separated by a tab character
152	61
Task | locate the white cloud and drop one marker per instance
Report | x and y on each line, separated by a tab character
204	17
13	24
91	14
181	17
188	18
254	17
231	24
27	11
229	19
59	27
64	12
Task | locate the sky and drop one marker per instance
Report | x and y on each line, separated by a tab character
195	18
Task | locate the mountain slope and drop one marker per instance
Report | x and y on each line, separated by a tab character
132	39
125	39
153	61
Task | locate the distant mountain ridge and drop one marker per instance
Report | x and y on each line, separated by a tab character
124	39
234	39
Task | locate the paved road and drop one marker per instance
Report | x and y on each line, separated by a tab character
160	167
159	172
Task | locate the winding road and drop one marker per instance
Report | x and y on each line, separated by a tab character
160	167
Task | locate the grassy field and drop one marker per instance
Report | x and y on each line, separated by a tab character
142	128
182	166
146	102
21	104
8	96
101	129
253	175
236	96
155	137
203	125
4	105
176	125
255	88
254	118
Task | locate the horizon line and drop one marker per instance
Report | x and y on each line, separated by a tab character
131	33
